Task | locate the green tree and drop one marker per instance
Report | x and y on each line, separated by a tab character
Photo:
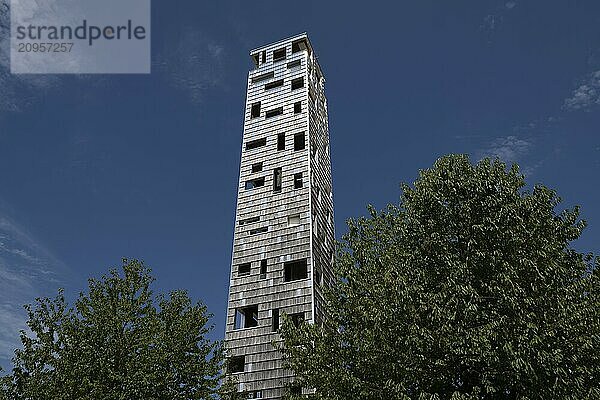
119	341
468	289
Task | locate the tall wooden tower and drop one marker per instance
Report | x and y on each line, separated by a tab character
283	241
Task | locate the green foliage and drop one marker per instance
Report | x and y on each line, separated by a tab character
118	342
468	289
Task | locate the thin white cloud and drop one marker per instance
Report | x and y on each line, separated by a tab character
18	91
191	63
513	149
11	317
27	270
586	95
507	148
520	147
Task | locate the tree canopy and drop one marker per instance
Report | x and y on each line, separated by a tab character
469	288
119	341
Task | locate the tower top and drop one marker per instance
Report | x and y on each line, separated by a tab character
278	51
301	38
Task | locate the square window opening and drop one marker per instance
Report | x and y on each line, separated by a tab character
295	270
246	317
257	167
236	364
244	269
293	64
299	45
297	83
279	54
297	319
294	220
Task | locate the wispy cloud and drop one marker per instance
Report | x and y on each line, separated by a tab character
507	148
525	145
18	91
27	270
587	95
193	65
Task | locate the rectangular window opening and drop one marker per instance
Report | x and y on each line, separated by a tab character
277	177
275	320
236	364
257	167
298	180
297	83
293	64
297	107
297	319
263	269
246	317
249	220
244	269
264	56
279	54
318	277
299	141
281	141
274	112
263	77
295	270
254	144
255	183
255	110
294	220
299	45
273	85
262	229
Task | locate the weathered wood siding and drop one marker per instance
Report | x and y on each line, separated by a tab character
312	239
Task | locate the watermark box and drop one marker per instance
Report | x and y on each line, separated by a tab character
80	37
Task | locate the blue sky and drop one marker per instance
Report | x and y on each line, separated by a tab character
95	168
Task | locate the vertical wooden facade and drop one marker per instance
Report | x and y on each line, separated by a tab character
284	232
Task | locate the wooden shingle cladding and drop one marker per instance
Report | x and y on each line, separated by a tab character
263	207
